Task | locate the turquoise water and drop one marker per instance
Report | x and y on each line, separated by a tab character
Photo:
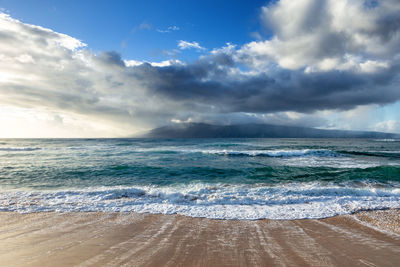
214	178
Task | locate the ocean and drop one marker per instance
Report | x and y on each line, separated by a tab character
213	178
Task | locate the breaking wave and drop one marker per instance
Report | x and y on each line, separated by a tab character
277	153
216	201
19	148
251	153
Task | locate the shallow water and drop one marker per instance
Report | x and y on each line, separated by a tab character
214	178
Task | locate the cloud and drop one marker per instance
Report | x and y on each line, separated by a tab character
165	63
44	69
169	29
311	67
145	26
388	126
189	45
214	80
328	35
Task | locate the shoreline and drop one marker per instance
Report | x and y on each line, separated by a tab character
368	238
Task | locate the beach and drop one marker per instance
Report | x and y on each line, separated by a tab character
370	238
219	202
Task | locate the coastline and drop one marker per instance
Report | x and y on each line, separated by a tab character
367	238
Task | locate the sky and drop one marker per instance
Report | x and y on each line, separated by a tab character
120	68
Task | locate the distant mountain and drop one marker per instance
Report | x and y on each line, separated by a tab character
202	130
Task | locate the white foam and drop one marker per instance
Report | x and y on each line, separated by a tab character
277	153
296	157
218	201
19	148
252	153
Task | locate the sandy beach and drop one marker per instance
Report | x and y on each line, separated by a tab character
131	239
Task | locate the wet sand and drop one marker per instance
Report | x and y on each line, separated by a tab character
131	239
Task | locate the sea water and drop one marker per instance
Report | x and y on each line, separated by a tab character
213	178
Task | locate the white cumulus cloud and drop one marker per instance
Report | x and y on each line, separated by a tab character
324	35
189	45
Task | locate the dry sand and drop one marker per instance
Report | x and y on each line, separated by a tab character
131	239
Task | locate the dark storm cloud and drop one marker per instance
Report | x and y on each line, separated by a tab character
209	82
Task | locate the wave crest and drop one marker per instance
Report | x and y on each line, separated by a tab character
217	201
277	153
19	148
